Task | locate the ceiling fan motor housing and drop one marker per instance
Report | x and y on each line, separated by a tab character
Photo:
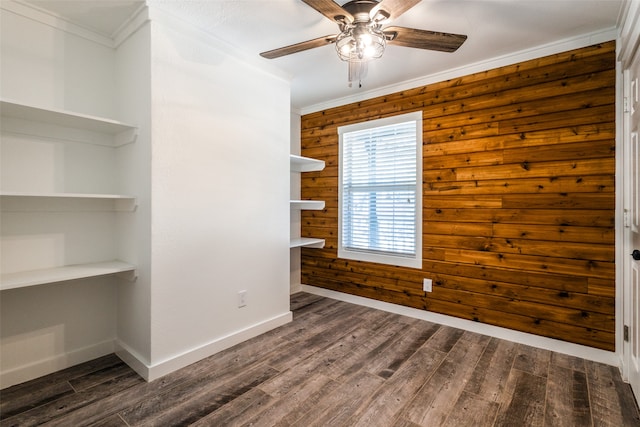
361	10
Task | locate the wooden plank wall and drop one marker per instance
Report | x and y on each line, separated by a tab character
518	207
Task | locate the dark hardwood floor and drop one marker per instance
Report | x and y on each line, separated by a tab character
339	364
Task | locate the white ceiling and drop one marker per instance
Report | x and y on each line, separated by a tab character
494	28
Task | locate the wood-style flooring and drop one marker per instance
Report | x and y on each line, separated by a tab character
339	364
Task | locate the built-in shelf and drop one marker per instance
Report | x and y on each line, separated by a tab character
305	164
57	202
59	274
312	205
62	126
305	242
120	133
62	118
65	195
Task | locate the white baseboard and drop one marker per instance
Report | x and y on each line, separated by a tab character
589	353
133	359
295	289
53	364
160	369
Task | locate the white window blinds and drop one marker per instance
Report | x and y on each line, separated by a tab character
380	188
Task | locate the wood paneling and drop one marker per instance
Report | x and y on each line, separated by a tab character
518	198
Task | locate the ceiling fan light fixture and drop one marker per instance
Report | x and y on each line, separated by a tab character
357	44
360	42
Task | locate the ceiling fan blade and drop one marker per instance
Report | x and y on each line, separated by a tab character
394	8
330	9
299	47
423	39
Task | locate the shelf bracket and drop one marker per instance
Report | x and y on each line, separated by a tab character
126	205
125	137
128	276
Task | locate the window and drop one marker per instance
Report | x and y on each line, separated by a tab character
380	188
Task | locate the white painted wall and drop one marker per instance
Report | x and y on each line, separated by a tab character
133	102
49	327
220	187
42	65
295	215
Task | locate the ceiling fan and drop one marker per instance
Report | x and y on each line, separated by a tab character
362	37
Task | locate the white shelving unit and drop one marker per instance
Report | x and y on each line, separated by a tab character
306	164
31	201
71	126
51	157
60	274
66	195
310	205
307	243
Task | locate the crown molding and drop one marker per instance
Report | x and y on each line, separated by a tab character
137	19
53	20
629	38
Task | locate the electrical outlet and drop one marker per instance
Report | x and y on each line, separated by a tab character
427	285
242	299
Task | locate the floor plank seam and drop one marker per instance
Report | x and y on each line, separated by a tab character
545	404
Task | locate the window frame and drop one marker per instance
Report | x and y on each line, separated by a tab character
414	261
